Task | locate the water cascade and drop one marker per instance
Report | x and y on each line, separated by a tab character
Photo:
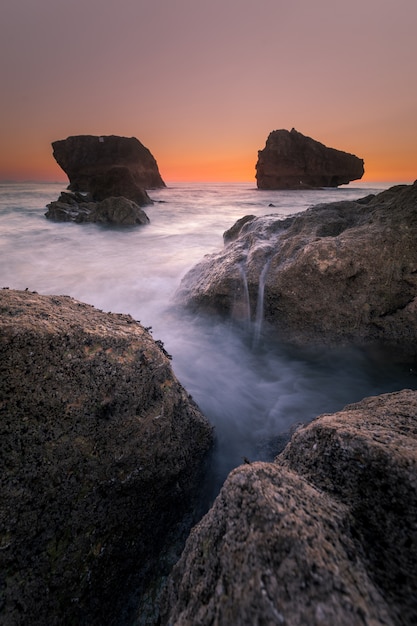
260	304
244	304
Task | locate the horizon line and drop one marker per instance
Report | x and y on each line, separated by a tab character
10	181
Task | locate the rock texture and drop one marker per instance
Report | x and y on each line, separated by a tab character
337	273
75	207
325	535
100	450
292	161
108	166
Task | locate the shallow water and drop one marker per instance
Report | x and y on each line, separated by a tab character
252	391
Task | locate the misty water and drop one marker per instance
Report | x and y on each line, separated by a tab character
252	389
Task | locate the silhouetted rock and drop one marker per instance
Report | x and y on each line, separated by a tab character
117	181
292	161
325	535
108	166
100	451
337	273
74	207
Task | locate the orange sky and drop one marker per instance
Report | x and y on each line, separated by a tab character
202	84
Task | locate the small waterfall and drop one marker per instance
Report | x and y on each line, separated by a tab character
242	308
245	312
260	304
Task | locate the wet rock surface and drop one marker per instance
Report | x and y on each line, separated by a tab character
324	535
291	160
338	273
100	451
79	208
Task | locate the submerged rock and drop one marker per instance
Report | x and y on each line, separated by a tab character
108	166
100	452
292	161
337	273
325	535
75	207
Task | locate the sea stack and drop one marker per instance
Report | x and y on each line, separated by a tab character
291	160
108	166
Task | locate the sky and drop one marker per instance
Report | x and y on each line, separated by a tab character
202	83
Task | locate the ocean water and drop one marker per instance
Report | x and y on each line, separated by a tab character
253	394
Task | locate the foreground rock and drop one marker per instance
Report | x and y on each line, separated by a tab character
325	535
337	273
108	166
100	451
292	161
74	207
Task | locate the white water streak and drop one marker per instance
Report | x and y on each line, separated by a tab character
260	304
247	316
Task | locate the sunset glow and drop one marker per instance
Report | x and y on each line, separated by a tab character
203	84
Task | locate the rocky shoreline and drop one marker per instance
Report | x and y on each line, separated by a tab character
325	535
103	452
338	273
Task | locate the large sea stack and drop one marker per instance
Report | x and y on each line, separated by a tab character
292	161
100	453
108	166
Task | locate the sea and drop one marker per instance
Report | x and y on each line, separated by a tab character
253	393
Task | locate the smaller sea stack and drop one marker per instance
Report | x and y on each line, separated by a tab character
291	160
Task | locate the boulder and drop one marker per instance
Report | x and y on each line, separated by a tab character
100	453
291	160
108	166
338	273
325	535
75	207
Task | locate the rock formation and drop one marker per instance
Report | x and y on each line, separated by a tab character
292	161
325	535
108	166
337	273
100	450
75	207
109	177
